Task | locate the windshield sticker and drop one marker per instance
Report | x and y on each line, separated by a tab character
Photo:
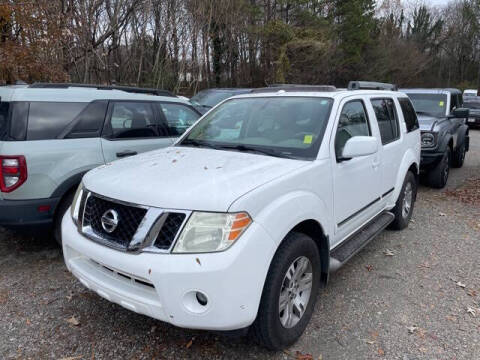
441	103
308	139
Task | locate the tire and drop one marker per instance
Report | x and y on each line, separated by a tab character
438	177
459	157
59	213
271	329
403	209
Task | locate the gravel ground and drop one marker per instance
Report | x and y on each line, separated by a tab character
412	305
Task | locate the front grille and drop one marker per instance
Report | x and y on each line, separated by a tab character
169	230
129	218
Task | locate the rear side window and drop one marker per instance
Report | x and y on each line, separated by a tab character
387	120
18	123
4	106
47	120
409	114
89	122
179	117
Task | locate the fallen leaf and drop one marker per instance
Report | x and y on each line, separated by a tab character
369	267
462	285
472	311
472	293
73	321
442	214
381	352
412	329
28	322
388	252
370	342
300	356
71	357
174	161
189	344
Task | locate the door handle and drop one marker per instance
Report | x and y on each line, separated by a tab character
126	153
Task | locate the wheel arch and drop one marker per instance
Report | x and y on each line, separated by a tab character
66	187
409	162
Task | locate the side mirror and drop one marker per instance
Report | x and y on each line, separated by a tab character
460	113
360	146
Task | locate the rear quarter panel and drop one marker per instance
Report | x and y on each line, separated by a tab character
51	162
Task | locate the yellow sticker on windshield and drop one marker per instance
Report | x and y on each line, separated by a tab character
441	103
308	139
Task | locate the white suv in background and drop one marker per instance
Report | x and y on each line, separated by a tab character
52	134
239	223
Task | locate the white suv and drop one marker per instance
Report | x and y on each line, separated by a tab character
52	134
239	223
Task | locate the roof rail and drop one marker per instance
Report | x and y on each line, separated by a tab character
294	88
371	85
130	89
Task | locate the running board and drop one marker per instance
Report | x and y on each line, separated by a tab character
356	242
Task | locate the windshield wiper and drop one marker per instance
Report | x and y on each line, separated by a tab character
244	148
197	143
425	113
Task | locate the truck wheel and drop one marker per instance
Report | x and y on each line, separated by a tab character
403	209
459	157
289	293
59	213
438	177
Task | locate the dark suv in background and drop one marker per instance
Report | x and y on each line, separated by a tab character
204	100
473	104
445	138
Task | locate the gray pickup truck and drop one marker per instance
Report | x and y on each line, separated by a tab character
445	134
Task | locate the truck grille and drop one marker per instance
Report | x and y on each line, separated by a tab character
129	218
169	230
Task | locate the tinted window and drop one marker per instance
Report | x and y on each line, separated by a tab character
276	126
18	123
472	104
430	104
90	121
409	114
179	117
387	120
353	122
47	120
4	106
132	120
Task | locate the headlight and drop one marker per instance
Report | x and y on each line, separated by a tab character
211	232
76	203
428	139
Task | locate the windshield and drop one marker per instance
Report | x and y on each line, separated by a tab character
3	118
290	127
210	98
430	104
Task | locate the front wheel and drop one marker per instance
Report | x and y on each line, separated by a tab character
459	157
289	293
403	209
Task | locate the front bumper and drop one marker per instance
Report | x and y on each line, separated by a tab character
163	286
429	159
27	214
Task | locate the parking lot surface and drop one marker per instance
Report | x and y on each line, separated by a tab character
413	294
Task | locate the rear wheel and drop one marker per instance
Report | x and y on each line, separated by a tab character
403	209
289	294
59	213
438	177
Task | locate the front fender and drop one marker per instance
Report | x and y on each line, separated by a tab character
280	216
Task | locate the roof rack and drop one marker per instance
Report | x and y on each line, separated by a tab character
130	89
371	85
294	88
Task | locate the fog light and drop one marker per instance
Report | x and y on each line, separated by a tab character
201	298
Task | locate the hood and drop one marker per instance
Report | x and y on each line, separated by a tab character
187	178
427	122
